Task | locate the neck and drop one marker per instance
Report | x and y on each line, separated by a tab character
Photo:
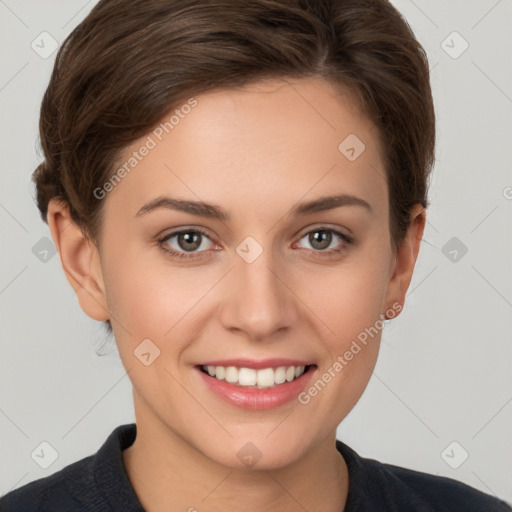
163	468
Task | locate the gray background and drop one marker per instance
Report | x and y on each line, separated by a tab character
444	372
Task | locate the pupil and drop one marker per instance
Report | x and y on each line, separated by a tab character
191	239
324	239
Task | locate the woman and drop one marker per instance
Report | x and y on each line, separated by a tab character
238	190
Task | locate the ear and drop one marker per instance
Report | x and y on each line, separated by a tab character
80	260
405	258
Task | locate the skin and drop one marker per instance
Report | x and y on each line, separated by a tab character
256	152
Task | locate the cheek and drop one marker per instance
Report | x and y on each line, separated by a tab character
150	298
349	302
347	298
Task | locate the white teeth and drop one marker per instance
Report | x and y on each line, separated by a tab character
248	377
220	372
280	375
265	378
231	374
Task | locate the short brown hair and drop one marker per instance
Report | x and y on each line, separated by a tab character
128	63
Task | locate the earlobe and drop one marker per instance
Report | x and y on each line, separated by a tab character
80	261
406	256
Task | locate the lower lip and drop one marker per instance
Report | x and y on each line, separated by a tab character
253	398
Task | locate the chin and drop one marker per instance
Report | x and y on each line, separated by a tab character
258	452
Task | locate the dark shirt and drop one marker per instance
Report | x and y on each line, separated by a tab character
100	483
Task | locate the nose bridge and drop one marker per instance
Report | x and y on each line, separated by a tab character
258	303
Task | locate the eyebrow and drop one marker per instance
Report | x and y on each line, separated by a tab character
216	212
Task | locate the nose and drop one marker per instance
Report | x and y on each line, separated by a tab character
258	301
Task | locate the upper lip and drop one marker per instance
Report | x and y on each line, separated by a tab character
257	364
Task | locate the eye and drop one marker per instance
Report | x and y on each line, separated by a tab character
323	238
191	241
194	242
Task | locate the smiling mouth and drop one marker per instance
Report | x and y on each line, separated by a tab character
264	378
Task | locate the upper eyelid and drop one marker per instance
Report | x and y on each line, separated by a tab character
324	227
172	234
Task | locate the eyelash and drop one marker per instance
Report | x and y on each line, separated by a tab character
180	255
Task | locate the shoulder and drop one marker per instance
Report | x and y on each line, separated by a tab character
59	491
96	483
436	492
378	486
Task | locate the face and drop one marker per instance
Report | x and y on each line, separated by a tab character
266	278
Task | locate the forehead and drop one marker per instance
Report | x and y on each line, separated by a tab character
255	146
